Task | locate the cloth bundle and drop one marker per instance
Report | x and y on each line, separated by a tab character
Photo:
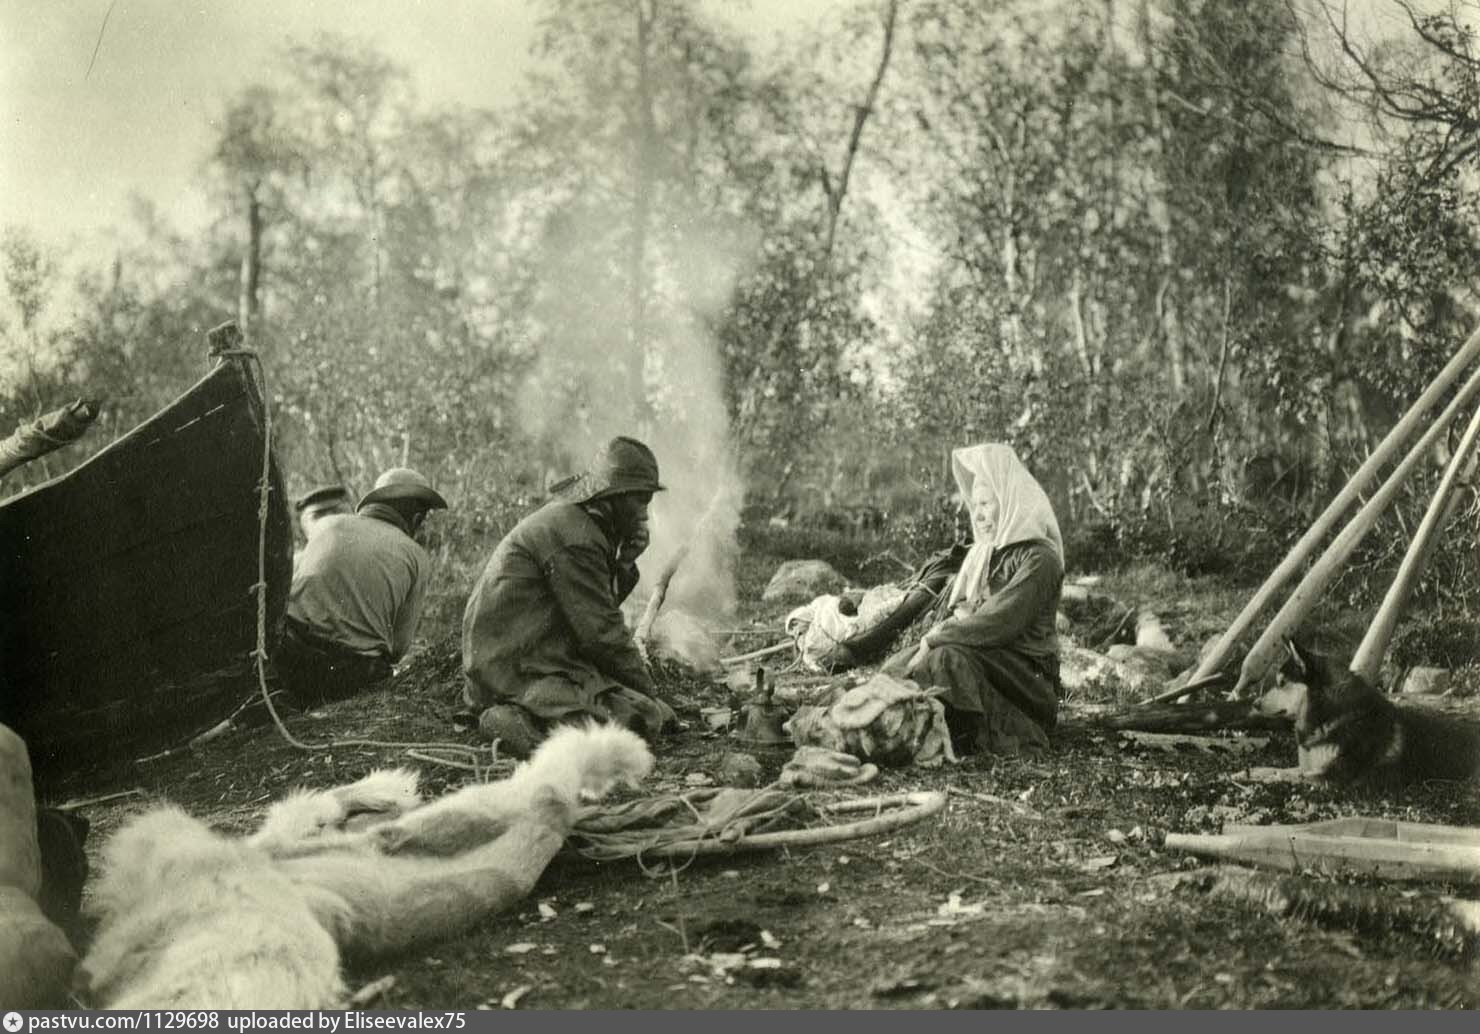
820	768
887	720
821	627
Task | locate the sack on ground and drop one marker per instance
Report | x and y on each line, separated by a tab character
886	720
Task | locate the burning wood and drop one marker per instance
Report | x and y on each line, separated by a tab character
644	632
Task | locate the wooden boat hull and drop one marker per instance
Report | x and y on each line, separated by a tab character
127	610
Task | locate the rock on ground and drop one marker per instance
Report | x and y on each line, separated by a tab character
1427	681
1151	663
1089	675
802	580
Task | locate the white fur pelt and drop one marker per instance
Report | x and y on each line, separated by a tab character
304	818
194	919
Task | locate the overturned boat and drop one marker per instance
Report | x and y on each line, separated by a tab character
128	602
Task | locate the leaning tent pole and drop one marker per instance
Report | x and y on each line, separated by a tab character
1402	430
1368	657
1263	652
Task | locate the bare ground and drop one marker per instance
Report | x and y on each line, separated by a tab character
1042	885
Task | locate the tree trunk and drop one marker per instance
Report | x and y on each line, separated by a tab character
249	301
861	114
642	203
1168	320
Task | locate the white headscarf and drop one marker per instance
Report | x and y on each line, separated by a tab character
1023	511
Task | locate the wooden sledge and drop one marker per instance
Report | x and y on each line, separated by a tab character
1408	851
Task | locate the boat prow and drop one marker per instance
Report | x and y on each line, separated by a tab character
128	608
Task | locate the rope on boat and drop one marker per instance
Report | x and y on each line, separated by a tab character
482	768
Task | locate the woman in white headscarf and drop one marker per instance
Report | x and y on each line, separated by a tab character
993	649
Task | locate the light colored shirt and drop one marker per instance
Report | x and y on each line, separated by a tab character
360	582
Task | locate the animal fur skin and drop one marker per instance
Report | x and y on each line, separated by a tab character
1348	732
302	821
194	919
576	761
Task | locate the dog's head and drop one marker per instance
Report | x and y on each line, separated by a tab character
604	756
618	758
1320	686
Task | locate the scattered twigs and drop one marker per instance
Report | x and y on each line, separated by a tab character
371	991
953	875
887	813
754	655
88	802
1016	807
1450	925
481	772
1191	686
1109	640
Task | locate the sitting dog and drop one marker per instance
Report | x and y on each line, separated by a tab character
193	919
1348	732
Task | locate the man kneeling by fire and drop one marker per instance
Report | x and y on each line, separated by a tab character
544	642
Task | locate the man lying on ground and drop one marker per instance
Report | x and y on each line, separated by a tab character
544	642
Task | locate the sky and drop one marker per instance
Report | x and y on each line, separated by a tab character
84	124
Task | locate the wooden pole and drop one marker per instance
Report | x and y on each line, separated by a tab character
1449	854
1374	646
644	632
1262	655
1385	450
1190	686
756	654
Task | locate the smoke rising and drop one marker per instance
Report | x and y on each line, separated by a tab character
594	379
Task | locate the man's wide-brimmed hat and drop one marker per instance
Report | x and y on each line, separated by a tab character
621	465
324	495
403	483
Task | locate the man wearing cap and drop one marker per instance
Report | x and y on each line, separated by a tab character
314	506
357	591
322	502
543	639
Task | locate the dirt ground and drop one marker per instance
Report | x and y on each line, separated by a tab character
1043	884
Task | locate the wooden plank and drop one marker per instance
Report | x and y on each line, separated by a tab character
1379	829
1297	848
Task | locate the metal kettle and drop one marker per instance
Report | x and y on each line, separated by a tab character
763	716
